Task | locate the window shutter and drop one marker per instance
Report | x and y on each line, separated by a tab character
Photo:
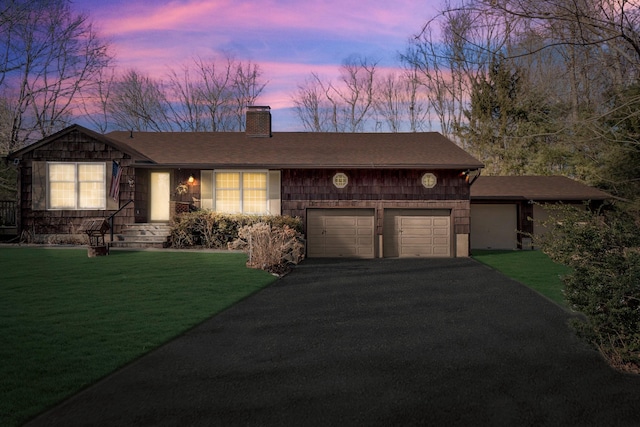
273	196
112	205
206	189
38	186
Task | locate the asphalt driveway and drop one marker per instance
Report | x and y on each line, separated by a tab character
376	342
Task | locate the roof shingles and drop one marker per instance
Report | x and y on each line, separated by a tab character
537	188
428	150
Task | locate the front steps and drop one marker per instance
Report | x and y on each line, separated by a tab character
143	235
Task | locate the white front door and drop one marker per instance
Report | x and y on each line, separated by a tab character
160	196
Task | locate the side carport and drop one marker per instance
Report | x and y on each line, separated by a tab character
504	207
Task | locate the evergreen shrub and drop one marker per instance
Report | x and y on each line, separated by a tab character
603	251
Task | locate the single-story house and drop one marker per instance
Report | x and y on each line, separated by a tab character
358	194
504	209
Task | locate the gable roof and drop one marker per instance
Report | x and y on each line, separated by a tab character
135	154
537	188
429	150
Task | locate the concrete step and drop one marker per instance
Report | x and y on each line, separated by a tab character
138	245
143	235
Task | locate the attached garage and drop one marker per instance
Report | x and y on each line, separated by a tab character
494	226
500	205
417	233
340	233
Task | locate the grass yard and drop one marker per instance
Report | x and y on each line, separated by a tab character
532	268
67	320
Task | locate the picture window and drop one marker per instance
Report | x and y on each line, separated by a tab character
76	186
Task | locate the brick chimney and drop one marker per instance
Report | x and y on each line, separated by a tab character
259	121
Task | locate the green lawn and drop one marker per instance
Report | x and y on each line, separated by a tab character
532	268
67	320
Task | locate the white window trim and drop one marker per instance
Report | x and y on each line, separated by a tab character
241	172
340	180
77	187
429	177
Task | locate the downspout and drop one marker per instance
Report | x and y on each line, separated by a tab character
476	176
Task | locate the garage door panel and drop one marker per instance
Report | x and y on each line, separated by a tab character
424	236
440	231
441	251
339	222
441	222
416	221
416	240
340	233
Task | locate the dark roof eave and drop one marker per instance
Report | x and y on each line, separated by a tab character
303	166
539	199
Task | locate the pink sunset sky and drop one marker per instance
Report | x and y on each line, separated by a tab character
289	39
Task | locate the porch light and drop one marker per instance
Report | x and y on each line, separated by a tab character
191	179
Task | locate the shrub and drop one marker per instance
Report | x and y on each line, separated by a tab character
603	252
212	230
270	248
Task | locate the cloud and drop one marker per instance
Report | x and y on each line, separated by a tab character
316	31
346	18
289	39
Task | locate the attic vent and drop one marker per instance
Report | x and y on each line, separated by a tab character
259	122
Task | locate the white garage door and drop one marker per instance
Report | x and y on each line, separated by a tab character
494	226
340	233
424	236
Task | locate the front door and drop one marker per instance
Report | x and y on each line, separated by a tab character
160	196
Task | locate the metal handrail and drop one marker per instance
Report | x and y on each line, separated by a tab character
110	219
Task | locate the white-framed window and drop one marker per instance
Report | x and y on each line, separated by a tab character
241	191
76	186
340	180
429	180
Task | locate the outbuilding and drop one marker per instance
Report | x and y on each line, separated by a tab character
504	209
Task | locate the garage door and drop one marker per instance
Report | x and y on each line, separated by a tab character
417	232
340	233
494	226
424	236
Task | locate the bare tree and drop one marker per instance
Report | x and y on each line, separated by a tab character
96	98
449	53
247	87
345	106
357	92
48	54
138	102
208	95
311	106
215	91
400	102
577	61
191	114
418	115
